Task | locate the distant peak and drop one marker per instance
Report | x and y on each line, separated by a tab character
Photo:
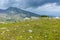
12	8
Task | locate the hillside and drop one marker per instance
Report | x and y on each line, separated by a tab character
42	29
13	14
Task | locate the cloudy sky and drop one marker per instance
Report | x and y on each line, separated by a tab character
48	7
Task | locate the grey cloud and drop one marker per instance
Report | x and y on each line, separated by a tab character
26	3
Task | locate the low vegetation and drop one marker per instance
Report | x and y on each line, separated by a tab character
42	29
44	16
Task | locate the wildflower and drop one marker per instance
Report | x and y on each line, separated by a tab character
30	36
3	28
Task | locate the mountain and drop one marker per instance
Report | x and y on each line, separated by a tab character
13	13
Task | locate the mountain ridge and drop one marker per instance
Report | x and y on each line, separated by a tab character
13	13
17	10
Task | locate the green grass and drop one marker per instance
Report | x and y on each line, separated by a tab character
42	29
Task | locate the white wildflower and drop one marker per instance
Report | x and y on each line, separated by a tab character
7	30
2	32
31	37
3	28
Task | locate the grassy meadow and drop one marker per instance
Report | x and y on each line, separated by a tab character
41	29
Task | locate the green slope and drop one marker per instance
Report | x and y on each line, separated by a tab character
42	29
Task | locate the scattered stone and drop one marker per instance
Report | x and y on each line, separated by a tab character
30	30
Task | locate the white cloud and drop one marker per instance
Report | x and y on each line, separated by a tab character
3	4
48	9
15	3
